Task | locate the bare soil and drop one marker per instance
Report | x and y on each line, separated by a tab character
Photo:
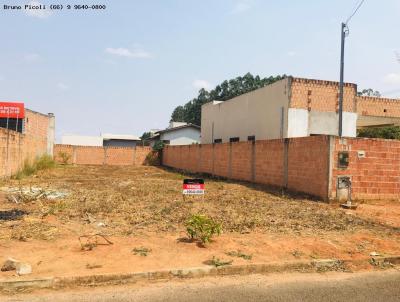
143	207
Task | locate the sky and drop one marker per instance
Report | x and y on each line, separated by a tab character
124	69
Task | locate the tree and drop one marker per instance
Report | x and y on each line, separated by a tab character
145	135
369	92
191	111
178	115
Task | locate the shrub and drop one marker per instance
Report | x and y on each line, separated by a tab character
389	132
152	159
202	228
42	163
64	156
158	146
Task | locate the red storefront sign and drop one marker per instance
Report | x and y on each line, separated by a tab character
193	186
12	110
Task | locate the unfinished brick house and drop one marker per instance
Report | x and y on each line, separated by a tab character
294	107
285	135
35	138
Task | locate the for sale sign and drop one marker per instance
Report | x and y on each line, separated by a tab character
12	110
193	186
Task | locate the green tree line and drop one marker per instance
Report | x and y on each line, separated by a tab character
191	111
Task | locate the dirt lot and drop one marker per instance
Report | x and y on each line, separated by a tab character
143	207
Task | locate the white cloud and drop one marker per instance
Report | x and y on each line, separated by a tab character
392	79
31	57
240	7
125	52
62	86
198	84
34	11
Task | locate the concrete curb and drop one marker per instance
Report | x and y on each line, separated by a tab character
187	273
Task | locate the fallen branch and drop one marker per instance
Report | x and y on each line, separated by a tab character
92	241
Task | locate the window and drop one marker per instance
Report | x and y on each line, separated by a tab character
218	141
343	159
251	138
166	141
233	139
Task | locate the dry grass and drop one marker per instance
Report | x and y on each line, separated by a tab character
33	230
129	199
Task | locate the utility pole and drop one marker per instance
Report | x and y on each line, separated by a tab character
344	32
341	84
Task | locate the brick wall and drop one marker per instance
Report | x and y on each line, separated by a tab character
375	176
383	107
308	165
11	152
301	164
206	161
220	160
16	148
270	162
115	156
321	96
242	161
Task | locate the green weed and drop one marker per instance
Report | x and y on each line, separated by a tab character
43	162
202	228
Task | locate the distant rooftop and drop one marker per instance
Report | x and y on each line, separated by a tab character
183	125
128	137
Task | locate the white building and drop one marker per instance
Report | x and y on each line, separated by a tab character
82	140
105	140
291	107
178	133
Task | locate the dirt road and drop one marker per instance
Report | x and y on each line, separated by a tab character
377	286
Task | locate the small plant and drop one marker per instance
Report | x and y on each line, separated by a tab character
64	156
218	262
41	163
44	162
142	251
54	208
202	228
239	254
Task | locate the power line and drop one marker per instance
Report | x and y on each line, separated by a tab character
355	11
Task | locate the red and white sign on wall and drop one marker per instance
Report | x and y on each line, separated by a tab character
12	110
193	186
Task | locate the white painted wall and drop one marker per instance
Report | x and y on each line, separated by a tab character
323	123
349	124
81	140
257	113
265	113
297	122
183	136
328	123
